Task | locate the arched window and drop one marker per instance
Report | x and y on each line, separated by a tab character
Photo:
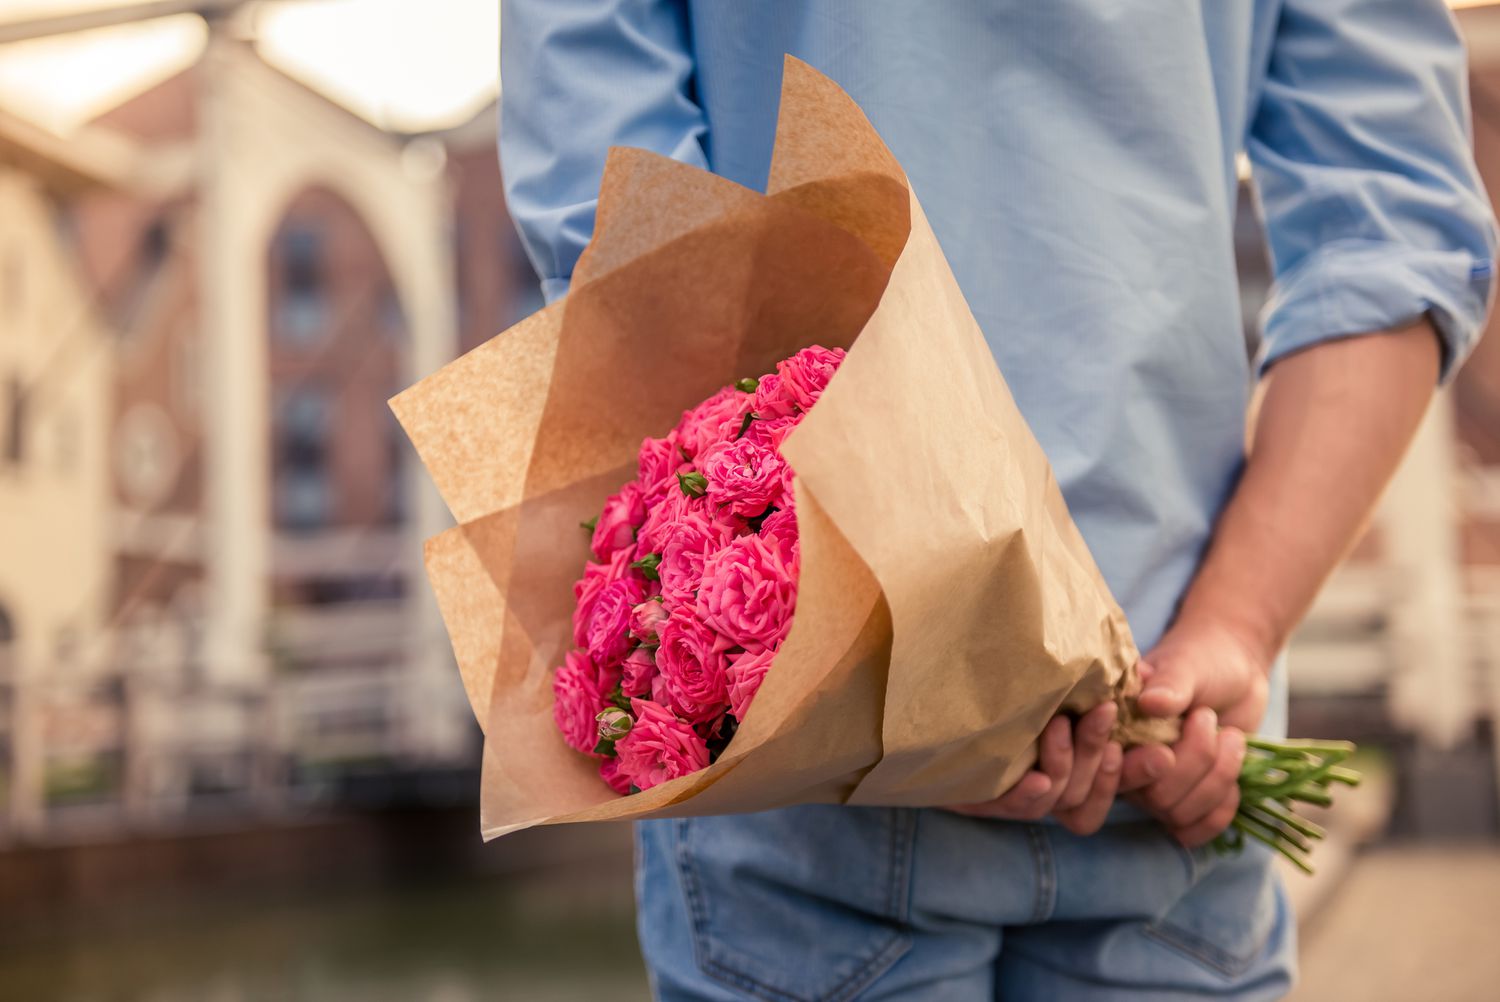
301	312
304	489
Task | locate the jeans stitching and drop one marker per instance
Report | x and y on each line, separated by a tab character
877	965
903	835
1200	948
844	990
698	914
1211	955
1046	879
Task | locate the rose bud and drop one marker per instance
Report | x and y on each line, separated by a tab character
614	723
645	618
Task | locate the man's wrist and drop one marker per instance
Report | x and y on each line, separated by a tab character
1197	624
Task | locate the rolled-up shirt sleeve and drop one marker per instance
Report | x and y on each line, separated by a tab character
577	77
1361	152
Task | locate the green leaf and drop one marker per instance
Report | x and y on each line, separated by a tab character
648	564
745	424
591	524
634	788
747	385
605	747
694	485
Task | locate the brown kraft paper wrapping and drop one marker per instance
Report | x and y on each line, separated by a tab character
947	605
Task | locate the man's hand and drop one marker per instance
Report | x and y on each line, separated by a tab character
1076	777
1206	668
1333	422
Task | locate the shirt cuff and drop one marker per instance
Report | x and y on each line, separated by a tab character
1354	287
554	289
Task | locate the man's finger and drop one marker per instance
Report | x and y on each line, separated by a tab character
1222	781
1195	752
1028	797
1055	755
1168	689
1206	830
1091	736
1144	765
1054	765
1088	817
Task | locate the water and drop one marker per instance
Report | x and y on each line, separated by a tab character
556	940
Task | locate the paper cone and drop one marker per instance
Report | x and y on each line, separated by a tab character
947	605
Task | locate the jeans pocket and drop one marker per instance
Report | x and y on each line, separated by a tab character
803	904
1225	919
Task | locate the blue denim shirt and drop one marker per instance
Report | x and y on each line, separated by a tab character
1077	160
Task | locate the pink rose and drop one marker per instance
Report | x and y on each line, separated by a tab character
772	402
611	773
716	420
608	633
661	515
743	477
770	434
684	548
587	590
749	590
646	618
580	689
659	462
674	507
781	524
637	671
805	374
744	675
623	513
691	661
659	747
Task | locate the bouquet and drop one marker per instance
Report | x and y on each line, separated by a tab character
692	585
946	606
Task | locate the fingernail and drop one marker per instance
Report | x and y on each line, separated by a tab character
1152	768
1161	692
1105	721
1112	758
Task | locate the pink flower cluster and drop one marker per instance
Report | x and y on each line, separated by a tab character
692	586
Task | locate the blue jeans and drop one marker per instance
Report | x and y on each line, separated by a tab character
819	903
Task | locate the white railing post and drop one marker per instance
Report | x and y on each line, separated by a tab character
1431	691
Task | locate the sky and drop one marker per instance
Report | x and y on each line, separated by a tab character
404	65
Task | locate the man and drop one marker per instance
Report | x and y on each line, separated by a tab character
1077	159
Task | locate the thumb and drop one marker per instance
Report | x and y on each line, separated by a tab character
1169	689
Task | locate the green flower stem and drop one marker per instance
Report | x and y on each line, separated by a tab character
1290	820
1313	797
1274	775
1268	827
1274	843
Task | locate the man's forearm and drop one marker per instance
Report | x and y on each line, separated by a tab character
1333	424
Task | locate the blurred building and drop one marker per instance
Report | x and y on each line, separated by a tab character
54	393
211	598
210	592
